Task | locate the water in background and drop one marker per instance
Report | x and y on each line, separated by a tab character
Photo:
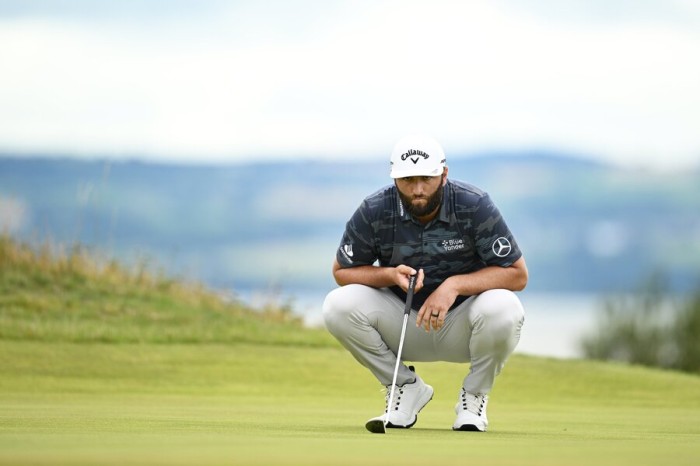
554	323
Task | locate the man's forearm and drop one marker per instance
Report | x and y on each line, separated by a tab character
513	278
370	275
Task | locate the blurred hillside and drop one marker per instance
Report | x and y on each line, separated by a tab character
584	227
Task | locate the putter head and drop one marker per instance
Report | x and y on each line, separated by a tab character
376	425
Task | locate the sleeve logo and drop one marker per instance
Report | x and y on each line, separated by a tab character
346	251
501	247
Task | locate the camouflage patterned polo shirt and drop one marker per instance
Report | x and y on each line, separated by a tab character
468	234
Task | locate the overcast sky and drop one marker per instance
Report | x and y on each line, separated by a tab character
239	80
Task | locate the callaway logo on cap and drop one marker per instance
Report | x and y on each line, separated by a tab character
417	155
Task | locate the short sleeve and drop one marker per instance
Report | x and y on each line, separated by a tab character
494	241
358	244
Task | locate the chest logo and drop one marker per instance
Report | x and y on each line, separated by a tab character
501	247
453	244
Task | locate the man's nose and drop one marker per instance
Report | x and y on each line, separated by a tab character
418	188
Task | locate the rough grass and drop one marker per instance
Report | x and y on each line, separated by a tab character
53	294
103	365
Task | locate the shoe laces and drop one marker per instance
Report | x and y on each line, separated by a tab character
398	392
473	403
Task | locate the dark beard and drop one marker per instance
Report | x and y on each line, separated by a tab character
433	203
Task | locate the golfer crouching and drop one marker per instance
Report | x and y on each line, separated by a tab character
468	266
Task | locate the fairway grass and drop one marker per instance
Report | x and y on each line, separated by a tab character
172	404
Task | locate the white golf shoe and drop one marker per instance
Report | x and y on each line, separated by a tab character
471	412
409	399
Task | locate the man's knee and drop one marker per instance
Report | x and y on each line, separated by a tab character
332	308
501	302
338	305
500	310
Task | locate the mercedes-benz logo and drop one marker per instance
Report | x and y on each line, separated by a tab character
501	247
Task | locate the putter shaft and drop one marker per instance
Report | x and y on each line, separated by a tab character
407	311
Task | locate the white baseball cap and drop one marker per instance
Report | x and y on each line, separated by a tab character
417	155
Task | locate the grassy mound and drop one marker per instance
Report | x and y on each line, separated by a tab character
53	294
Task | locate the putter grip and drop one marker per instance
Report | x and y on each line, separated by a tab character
409	294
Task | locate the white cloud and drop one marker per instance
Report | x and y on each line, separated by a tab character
338	78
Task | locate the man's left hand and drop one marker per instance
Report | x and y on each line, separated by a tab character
434	311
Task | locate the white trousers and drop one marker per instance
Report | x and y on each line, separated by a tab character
483	331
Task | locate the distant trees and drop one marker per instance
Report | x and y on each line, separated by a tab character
648	328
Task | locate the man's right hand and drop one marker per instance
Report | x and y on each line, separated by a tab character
402	272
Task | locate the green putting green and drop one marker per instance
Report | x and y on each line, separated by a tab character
95	403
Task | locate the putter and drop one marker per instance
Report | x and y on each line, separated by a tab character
379	427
